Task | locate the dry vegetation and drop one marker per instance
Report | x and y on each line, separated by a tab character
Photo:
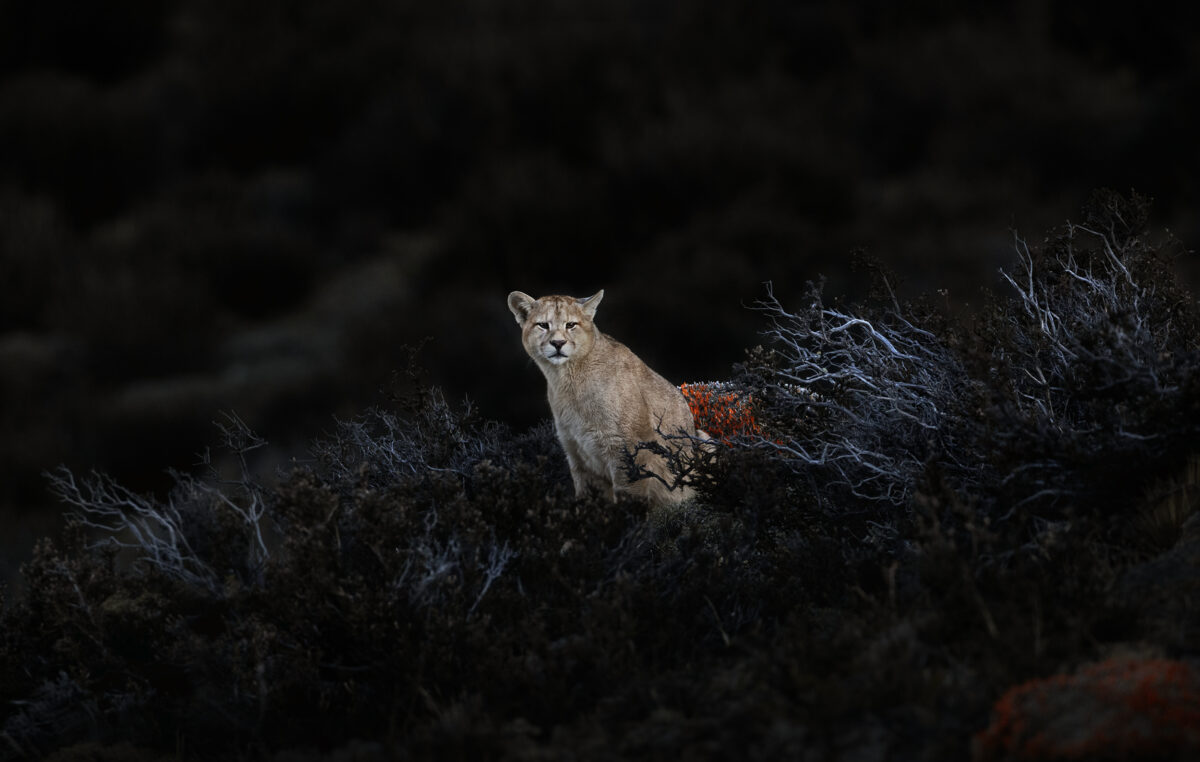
930	518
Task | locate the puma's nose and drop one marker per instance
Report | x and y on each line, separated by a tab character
557	343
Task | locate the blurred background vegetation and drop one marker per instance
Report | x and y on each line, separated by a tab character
257	207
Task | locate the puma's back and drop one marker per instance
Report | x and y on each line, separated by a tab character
604	399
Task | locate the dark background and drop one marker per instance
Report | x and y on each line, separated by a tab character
255	207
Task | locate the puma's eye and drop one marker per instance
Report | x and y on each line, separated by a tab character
571	325
543	326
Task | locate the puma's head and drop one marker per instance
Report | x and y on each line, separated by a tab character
555	329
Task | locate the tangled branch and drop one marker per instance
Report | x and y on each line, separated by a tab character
181	536
855	401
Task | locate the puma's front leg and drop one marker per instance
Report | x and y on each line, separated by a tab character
583	478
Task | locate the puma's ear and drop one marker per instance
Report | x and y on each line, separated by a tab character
520	303
590	304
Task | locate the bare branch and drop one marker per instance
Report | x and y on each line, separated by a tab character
859	398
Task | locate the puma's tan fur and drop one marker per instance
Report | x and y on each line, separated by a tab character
603	398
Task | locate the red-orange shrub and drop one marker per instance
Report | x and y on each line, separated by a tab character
720	413
1127	708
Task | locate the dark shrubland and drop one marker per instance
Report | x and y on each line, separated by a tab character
931	513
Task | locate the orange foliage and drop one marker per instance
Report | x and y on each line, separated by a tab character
1115	709
724	415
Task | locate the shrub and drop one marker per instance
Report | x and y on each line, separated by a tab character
1073	393
855	400
1091	363
1121	708
205	530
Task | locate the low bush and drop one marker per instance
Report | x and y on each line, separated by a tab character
1121	708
